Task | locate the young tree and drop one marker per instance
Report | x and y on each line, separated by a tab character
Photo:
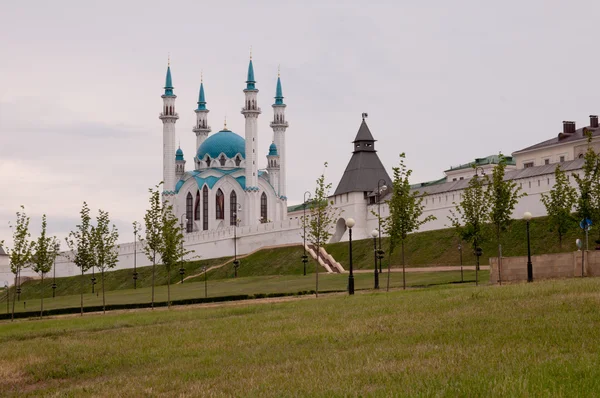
80	244
153	223
171	250
471	214
502	195
321	220
45	252
405	212
21	253
588	202
104	246
559	204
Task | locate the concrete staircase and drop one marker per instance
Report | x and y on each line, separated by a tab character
326	260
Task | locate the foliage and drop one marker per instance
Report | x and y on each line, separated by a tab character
559	204
80	244
321	219
21	253
153	224
45	252
104	246
472	213
588	202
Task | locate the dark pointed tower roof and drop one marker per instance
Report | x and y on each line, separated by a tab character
364	169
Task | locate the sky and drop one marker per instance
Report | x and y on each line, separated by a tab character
444	82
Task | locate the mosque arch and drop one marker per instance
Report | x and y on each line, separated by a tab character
222	160
205	208
263	208
340	230
189	201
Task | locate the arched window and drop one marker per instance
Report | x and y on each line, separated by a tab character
205	208
233	216
220	205
222	160
207	161
263	207
189	201
197	206
238	160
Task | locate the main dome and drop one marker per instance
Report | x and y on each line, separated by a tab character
226	142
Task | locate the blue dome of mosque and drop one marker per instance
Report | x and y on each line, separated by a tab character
273	150
179	154
226	142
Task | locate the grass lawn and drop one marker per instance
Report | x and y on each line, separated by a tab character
242	285
535	339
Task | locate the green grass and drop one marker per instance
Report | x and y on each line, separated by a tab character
535	339
242	285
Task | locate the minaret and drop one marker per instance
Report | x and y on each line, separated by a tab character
279	125
273	167
168	117
202	128
251	112
179	164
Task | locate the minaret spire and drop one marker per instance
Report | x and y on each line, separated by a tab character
201	128
169	116
279	126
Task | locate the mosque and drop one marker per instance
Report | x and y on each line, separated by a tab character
225	187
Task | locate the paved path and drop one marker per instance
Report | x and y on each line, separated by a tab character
439	268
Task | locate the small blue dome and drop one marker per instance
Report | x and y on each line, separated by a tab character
273	150
224	141
179	154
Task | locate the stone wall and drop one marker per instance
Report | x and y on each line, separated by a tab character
546	266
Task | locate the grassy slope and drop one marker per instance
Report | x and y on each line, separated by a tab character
440	247
517	340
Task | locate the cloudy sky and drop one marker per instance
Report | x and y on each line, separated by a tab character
443	81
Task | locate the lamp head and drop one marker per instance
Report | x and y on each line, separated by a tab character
374	233
350	222
527	216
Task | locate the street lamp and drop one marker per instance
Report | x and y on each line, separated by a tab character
374	234
461	263
304	256
350	223
236	262
380	190
527	216
182	269
135	273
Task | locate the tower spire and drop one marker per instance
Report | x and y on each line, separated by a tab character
201	129
168	81
250	80
278	91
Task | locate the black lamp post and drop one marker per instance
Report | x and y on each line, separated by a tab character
182	269
350	223
374	234
527	216
205	282
304	256
380	190
135	274
236	262
478	253
93	279
461	263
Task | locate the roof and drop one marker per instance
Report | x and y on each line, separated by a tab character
201	99
178	154
250	80
562	138
492	159
437	188
226	142
273	150
278	93
168	83
207	177
364	169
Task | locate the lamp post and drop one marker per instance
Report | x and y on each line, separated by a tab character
461	263
304	256
527	216
236	262
205	282
374	234
350	223
380	189
478	253
135	274
182	269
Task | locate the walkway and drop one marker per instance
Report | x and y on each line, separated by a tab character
439	268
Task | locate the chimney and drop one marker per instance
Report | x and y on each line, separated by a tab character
568	127
594	121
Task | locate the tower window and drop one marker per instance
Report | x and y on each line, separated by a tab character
207	161
263	208
238	160
232	208
205	208
220	205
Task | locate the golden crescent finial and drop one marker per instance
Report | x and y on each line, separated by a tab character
201	76
169	59
279	70
250	53
225	125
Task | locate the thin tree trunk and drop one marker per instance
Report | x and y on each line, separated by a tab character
499	256
103	292
403	268
82	289
153	272
42	300
389	271
317	275
169	287
15	296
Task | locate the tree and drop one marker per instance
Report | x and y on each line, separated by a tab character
588	202
471	214
502	195
21	253
45	252
153	222
559	204
405	213
171	249
321	219
80	244
104	247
